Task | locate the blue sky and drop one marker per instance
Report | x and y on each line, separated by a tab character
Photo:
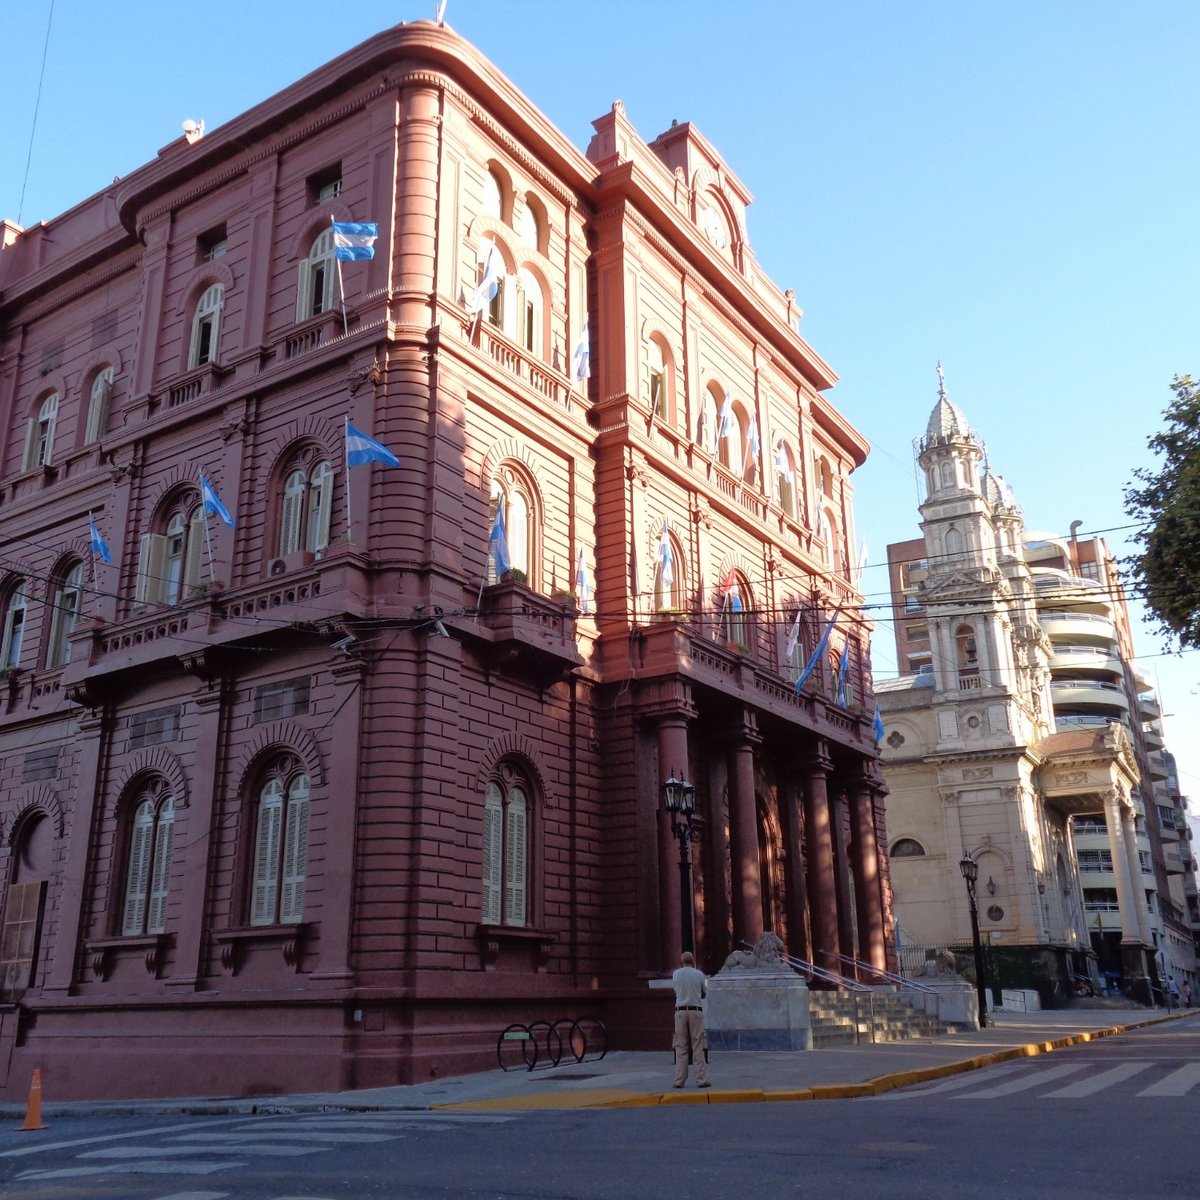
1008	187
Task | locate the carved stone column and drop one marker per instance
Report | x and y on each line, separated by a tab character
672	756
743	826
1141	913
795	899
865	862
819	866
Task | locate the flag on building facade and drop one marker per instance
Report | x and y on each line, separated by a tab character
498	542
493	274
99	545
843	671
752	440
583	584
362	449
782	465
212	502
793	638
666	559
581	360
878	728
725	419
819	650
354	240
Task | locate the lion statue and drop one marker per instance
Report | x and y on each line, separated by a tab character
768	952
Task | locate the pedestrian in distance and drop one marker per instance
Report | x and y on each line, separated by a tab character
1187	994
1173	991
690	1045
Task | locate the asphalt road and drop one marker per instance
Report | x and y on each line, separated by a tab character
1111	1120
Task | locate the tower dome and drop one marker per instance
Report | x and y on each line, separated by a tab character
947	419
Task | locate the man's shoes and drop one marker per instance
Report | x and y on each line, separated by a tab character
678	1085
704	1085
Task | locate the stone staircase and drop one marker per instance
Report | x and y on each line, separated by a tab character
848	1018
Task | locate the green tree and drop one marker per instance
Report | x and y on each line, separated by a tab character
1167	507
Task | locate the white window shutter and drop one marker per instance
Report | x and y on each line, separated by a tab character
266	856
304	291
515	861
137	874
156	922
493	854
195	548
101	395
290	516
295	854
152	556
31	435
320	507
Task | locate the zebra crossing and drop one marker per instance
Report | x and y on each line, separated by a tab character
1139	1078
208	1148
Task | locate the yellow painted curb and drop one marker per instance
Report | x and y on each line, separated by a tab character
745	1096
669	1098
804	1094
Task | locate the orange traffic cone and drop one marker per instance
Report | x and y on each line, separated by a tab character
33	1113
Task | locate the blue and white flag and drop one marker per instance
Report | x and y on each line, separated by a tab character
362	449
212	502
493	275
793	638
583	584
666	559
843	671
879	738
815	657
782	465
354	240
498	542
726	420
99	545
752	440
581	360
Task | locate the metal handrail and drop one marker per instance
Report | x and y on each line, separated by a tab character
813	971
888	976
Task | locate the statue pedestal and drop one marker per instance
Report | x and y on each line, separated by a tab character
758	1009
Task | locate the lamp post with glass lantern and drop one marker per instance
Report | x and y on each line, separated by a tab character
679	796
970	873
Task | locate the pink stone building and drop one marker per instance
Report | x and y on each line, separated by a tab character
319	800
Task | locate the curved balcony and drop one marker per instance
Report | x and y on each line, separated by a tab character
1053	584
1153	734
1085	660
1149	706
1085	627
1089	696
1158	766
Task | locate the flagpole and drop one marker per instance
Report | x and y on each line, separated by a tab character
341	285
212	572
92	556
346	456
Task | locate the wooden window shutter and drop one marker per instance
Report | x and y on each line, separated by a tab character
290	516
515	860
320	507
152	557
493	853
19	938
164	831
266	855
137	874
295	853
304	291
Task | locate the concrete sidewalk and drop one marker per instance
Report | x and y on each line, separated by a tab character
629	1079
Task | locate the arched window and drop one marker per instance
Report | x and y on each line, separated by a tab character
67	604
735	619
148	864
794	653
307	504
731	434
785	479
317	289
706	420
206	327
966	650
531	307
532	223
280	856
507	836
494	189
169	561
521	523
39	435
908	848
14	628
492	266
99	400
661	372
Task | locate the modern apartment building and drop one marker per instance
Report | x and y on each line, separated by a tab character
329	793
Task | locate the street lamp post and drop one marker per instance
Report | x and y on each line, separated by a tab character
680	798
970	873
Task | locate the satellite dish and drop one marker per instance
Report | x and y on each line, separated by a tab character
193	131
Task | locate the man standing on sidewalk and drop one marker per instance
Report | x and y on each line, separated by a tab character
690	1043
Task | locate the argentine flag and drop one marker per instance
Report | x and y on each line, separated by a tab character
581	360
498	543
361	449
99	545
212	502
354	240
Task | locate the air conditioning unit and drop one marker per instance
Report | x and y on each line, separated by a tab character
277	566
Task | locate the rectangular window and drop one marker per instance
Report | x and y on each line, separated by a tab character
275	701
19	938
212	245
150	728
325	185
1090	570
40	764
104	329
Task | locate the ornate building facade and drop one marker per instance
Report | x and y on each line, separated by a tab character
1021	735
328	796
